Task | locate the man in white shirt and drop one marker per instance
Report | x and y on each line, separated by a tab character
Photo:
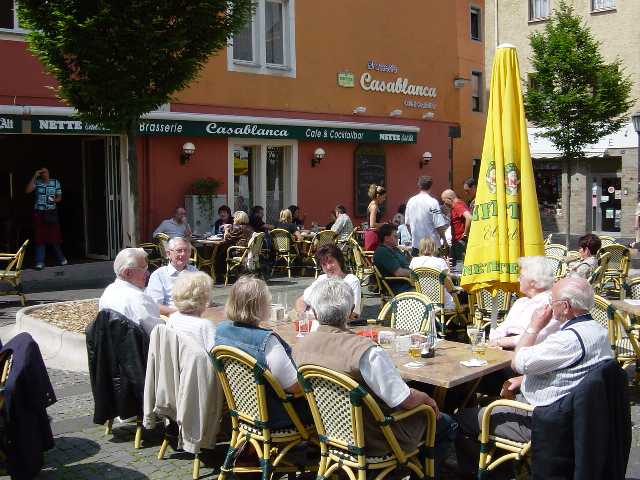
126	294
161	281
551	369
423	216
176	226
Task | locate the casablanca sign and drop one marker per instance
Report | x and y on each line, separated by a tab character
198	128
399	85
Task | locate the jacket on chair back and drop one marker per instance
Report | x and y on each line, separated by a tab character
117	352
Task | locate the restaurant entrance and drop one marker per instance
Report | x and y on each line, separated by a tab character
88	168
606	203
263	173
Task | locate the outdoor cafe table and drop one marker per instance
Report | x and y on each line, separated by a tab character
443	371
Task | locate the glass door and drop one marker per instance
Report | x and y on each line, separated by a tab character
275	182
610	204
244	158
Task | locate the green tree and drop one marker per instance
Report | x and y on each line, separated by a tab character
117	60
575	95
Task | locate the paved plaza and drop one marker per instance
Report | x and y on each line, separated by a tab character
83	451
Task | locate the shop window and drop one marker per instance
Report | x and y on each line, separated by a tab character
539	9
266	45
475	23
9	16
603	4
476	94
548	177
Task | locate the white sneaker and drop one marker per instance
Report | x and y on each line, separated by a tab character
39	266
63	262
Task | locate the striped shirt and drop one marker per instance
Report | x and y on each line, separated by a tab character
555	366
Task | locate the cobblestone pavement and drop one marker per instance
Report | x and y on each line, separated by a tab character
83	451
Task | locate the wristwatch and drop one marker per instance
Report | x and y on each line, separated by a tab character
532	331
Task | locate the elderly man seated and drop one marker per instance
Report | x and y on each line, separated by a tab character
176	226
161	281
333	346
126	294
537	275
390	260
551	368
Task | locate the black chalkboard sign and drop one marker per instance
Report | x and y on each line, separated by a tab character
369	164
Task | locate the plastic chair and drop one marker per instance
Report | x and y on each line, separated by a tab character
337	404
284	248
408	311
12	273
238	256
244	383
490	443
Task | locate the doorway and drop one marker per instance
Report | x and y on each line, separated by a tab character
606	203
263	173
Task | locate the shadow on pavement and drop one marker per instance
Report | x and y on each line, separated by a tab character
91	470
73	449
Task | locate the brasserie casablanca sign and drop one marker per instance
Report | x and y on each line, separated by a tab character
195	128
401	85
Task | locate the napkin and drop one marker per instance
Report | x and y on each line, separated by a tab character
474	362
631	301
414	365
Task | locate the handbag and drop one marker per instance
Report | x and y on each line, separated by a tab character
50	217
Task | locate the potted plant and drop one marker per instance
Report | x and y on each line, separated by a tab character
202	202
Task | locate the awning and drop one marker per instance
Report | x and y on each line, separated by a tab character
542	147
161	123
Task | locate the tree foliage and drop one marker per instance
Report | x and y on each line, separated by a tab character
574	95
116	60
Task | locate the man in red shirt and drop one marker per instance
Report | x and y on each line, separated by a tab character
460	225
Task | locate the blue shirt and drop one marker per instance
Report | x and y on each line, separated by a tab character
46	194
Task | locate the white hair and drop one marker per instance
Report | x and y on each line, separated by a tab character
577	292
172	242
128	258
332	302
191	292
540	270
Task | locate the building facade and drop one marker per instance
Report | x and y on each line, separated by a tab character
308	105
604	186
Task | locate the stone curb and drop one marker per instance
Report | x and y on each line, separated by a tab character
59	348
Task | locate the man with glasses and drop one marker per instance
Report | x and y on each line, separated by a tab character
126	294
550	369
161	281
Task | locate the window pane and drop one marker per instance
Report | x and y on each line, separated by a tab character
274	32
476	78
243	158
6	14
598	4
275	182
475	24
538	9
243	44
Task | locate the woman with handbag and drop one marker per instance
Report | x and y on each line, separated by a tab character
48	194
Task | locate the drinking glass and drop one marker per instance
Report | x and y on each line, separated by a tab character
472	333
386	338
304	323
416	346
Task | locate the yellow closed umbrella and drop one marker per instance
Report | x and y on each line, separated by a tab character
506	220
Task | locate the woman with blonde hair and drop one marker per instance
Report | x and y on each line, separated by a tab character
378	196
240	232
428	251
249	304
191	294
286	222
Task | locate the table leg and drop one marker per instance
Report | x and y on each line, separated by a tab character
439	395
472	390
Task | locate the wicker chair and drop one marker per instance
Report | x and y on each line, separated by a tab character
325	237
547	241
384	289
238	256
408	311
597	279
155	258
12	273
432	283
607	240
245	384
490	443
483	305
162	239
337	404
622	335
363	264
284	248
632	288
560	266
556	250
616	270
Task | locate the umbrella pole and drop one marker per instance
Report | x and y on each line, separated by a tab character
494	312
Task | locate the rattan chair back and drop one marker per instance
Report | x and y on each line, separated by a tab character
556	250
12	272
633	288
559	265
410	311
281	240
606	240
431	282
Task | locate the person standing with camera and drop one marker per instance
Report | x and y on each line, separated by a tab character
48	194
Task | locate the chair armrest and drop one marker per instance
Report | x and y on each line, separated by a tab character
397	416
234	248
486	416
374	321
410	281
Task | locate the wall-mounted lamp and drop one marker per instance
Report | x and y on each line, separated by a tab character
359	109
459	82
318	155
428	115
188	149
395	113
426	158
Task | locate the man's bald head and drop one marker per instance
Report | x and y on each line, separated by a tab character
448	197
